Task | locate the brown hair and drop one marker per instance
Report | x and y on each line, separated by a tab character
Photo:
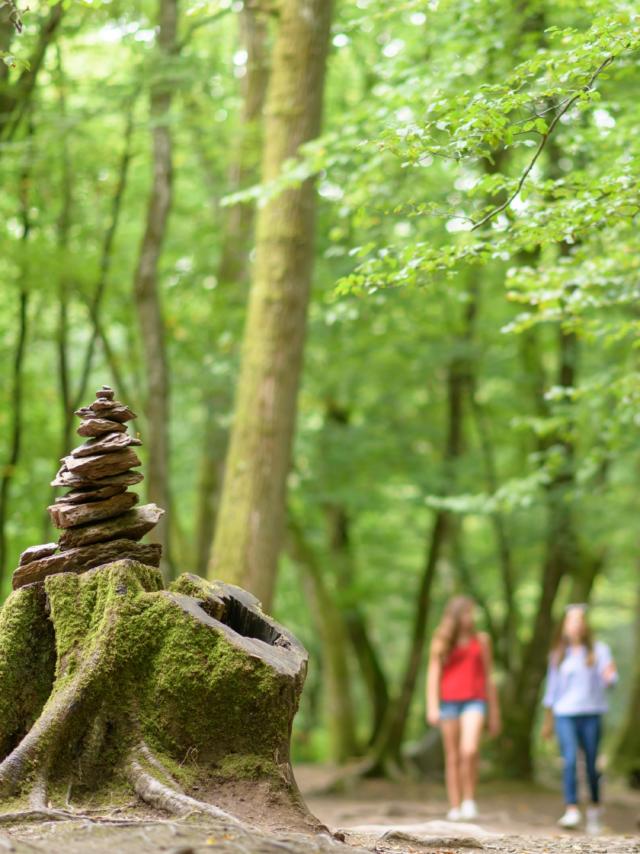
561	644
447	634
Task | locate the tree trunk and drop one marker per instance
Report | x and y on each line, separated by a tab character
626	753
16	98
339	525
111	683
146	286
233	267
250	525
16	400
562	554
387	751
340	715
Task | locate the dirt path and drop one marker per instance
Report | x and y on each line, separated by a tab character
514	818
375	816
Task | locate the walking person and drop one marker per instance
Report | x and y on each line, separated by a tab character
461	699
580	671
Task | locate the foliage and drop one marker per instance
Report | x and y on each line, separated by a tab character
477	155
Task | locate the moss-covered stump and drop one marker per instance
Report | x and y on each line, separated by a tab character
111	684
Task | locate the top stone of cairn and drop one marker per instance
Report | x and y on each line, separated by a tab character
97	517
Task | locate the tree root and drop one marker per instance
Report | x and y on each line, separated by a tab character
167	798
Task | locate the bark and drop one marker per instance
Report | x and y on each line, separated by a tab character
339	537
387	751
105	268
146	285
562	553
17	378
64	224
211	474
626	752
111	683
340	714
233	267
238	220
15	98
250	525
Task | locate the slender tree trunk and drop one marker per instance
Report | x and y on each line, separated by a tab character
15	98
211	472
64	225
106	257
562	554
358	632
340	716
626	754
339	525
17	372
250	525
387	750
233	268
146	286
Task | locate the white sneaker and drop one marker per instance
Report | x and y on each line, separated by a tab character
593	826
468	810
571	818
454	814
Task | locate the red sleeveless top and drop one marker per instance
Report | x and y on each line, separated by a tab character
463	674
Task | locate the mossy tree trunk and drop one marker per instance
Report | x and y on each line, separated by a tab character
146	287
108	682
236	236
250	524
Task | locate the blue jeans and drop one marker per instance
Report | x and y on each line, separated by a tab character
573	732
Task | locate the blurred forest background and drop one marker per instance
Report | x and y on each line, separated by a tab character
434	203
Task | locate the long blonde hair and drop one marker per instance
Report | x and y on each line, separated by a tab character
561	644
447	635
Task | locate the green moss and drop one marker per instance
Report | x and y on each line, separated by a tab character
26	663
136	665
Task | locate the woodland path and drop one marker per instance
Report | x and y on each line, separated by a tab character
515	820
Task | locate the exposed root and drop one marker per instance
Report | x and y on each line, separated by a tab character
59	713
171	800
151	759
38	794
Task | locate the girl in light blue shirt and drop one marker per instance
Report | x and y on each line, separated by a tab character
580	672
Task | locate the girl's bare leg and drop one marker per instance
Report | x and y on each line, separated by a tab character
471	725
451	739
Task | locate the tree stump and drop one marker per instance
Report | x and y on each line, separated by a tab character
111	684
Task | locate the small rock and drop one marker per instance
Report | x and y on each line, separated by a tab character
98	426
112	409
88	557
132	525
37	552
82	496
66	478
105	444
70	515
102	465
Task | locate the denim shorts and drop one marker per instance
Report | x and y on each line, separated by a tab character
450	710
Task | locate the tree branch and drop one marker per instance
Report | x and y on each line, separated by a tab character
543	141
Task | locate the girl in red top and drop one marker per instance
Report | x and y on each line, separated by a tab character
461	697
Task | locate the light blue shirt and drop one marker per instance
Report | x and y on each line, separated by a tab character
574	688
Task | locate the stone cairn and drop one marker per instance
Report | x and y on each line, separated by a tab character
97	517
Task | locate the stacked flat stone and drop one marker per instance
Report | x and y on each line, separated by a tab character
98	519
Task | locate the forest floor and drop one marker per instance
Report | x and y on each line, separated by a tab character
371	816
515	818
